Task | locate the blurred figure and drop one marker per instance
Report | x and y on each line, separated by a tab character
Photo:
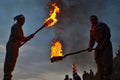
70	78
13	44
103	54
76	76
66	77
91	74
84	76
118	52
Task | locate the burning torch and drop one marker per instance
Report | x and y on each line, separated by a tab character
49	21
74	67
57	52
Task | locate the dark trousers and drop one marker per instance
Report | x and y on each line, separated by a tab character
104	61
10	60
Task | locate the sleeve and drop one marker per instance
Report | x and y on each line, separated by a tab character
92	41
22	38
107	35
18	34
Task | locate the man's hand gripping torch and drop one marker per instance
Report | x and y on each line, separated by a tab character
44	25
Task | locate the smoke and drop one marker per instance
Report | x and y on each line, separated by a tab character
73	26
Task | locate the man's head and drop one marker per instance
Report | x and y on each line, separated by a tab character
20	19
93	19
66	76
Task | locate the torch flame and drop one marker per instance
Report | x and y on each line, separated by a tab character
74	67
56	49
53	13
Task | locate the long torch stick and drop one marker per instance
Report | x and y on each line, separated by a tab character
68	54
34	34
44	25
58	58
78	52
49	21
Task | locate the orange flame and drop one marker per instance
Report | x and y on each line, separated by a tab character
74	67
53	13
56	49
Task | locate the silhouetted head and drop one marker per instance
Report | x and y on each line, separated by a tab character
93	19
20	19
66	76
90	69
85	72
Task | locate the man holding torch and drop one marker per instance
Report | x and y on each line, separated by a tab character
103	54
17	39
13	45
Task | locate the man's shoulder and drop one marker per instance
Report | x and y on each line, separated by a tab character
14	26
102	23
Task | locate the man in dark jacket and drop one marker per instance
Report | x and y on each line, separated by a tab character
103	54
13	44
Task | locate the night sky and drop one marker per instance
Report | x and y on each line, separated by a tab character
72	30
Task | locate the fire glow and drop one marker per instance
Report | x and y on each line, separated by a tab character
53	14
56	51
74	67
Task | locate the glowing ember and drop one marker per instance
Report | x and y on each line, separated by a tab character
56	51
74	67
53	13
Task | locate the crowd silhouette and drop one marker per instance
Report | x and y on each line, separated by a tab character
85	76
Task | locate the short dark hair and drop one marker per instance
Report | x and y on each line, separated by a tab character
93	16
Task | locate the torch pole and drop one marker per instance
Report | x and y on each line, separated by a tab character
58	58
76	52
39	29
34	33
